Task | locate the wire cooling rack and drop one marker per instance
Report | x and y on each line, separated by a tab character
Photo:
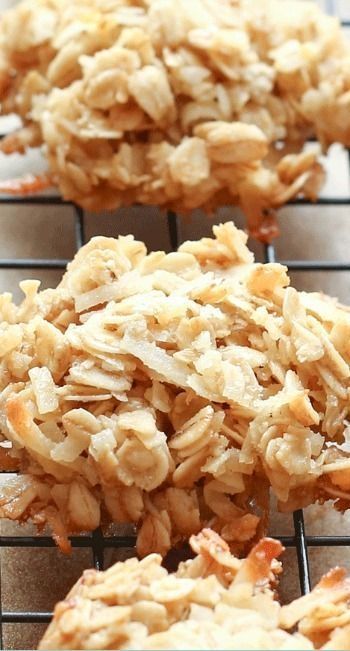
97	543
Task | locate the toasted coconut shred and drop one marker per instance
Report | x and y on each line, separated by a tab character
175	103
214	601
171	391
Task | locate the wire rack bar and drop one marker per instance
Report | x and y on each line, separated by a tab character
79	226
302	552
128	542
299	541
315	265
294	265
27	263
173	228
98	549
26	618
321	201
270	253
34	201
316	541
100	541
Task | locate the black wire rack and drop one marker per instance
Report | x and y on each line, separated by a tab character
97	543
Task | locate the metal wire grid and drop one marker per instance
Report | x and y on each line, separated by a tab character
97	542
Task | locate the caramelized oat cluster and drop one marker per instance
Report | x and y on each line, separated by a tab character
214	601
177	103
171	391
